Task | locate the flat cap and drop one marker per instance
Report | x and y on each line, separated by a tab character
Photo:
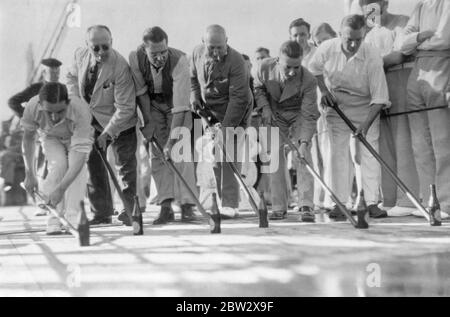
51	62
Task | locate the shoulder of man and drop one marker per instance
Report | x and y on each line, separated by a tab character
372	54
120	63
401	20
266	66
176	52
234	56
78	109
33	103
81	53
329	45
308	77
32	106
198	51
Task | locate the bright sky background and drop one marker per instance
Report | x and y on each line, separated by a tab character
249	24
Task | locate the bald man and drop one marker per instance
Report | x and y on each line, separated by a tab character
220	83
102	77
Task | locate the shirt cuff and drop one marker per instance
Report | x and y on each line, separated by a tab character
387	104
81	145
180	109
111	131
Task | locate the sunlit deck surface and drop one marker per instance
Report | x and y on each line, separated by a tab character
288	259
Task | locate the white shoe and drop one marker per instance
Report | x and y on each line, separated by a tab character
54	227
400	211
229	212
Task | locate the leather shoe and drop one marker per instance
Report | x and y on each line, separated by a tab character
100	221
376	213
337	215
125	219
164	215
307	214
187	214
278	215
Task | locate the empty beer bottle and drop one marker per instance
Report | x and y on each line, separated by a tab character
434	208
362	212
83	227
138	226
263	213
215	216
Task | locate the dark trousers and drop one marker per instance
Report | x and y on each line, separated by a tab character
99	191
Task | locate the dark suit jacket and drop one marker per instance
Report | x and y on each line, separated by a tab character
225	91
298	95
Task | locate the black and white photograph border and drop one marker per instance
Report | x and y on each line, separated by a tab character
152	243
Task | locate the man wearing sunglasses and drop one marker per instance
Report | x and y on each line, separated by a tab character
102	77
161	76
220	83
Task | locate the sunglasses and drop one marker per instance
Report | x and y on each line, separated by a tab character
96	48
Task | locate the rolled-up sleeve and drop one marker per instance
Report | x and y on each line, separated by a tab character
317	63
261	97
28	121
377	82
181	86
306	123
408	38
124	100
239	93
138	78
83	132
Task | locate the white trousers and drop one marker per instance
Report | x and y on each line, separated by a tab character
345	152
59	159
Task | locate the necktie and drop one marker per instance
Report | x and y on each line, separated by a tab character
91	79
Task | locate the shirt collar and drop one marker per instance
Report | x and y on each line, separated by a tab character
359	55
283	78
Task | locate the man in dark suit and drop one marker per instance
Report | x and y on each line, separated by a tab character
102	77
287	94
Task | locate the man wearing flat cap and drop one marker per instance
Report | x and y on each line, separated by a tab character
50	73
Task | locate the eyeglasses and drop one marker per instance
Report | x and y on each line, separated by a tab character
96	48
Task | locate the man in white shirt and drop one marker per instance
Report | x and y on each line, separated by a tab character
350	73
427	37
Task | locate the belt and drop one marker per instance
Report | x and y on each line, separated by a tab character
401	66
161	98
